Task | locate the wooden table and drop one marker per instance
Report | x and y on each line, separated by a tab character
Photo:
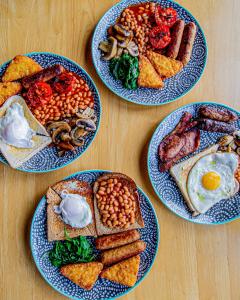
194	262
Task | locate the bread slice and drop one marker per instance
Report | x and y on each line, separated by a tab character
55	224
166	67
181	170
148	77
17	156
8	89
125	180
20	67
83	274
124	272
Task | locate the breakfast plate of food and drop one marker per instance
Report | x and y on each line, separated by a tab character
49	111
149	52
194	162
94	235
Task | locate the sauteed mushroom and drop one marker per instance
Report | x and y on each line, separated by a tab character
86	124
77	135
112	49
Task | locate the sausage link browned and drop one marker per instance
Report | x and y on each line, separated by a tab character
187	42
176	38
113	256
116	240
217	113
215	126
44	75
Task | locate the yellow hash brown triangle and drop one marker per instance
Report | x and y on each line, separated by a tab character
124	272
20	67
8	89
83	274
148	76
165	66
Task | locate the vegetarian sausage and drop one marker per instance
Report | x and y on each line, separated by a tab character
110	257
116	240
187	42
215	126
176	38
44	75
219	114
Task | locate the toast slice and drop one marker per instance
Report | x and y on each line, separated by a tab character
124	272
166	67
148	77
181	170
20	67
55	224
8	89
127	181
17	156
83	274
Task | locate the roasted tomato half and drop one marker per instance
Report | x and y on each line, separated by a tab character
64	83
160	36
165	16
39	93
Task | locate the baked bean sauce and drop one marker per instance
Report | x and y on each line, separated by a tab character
63	105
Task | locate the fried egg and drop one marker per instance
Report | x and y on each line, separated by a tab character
212	179
14	128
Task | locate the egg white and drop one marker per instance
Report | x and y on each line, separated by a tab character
225	165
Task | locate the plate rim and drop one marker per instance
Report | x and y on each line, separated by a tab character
131	288
100	112
148	163
134	101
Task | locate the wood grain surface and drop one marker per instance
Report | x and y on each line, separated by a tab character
194	262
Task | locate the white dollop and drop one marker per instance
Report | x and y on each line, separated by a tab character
14	128
74	210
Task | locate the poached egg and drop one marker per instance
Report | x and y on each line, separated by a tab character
14	128
74	210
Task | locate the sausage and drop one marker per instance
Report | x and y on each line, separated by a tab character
176	37
215	126
187	42
116	240
216	113
110	257
44	75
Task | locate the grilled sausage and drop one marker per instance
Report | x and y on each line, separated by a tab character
44	75
216	113
116	240
187	42
110	257
176	38
215	126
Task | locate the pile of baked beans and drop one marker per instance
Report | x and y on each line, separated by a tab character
136	19
116	204
64	105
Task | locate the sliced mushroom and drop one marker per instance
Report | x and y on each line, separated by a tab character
119	29
120	38
119	52
112	49
125	43
54	125
65	137
77	135
86	124
225	140
104	46
132	49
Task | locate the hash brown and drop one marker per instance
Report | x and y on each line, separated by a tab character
20	67
83	274
8	89
166	67
148	77
124	272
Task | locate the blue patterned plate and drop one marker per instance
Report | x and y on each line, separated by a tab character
165	186
176	86
47	159
103	288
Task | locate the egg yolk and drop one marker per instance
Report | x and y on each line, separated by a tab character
211	181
